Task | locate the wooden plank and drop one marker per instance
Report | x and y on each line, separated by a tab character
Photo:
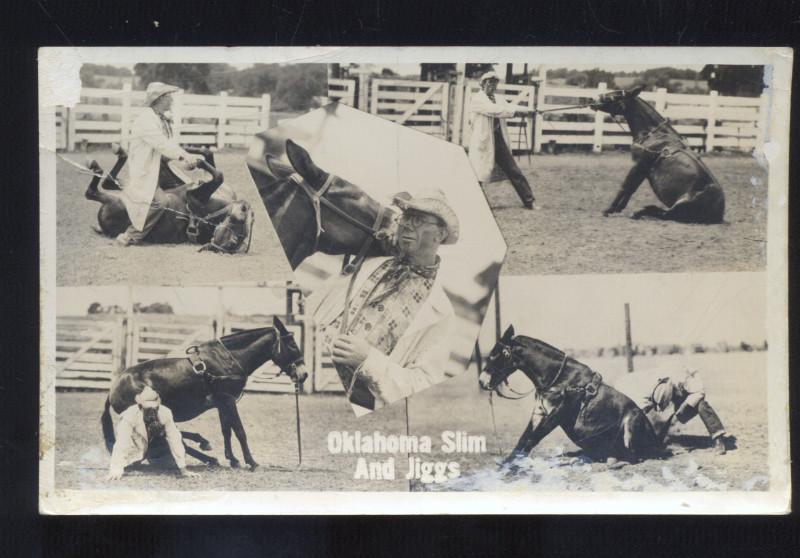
88	372
408	96
95	125
85	108
82	384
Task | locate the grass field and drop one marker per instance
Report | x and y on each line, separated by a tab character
87	258
734	381
570	235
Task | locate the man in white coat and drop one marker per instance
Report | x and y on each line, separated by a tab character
488	145
152	145
389	338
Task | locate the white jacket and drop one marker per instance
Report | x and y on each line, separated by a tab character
420	356
481	143
131	438
148	143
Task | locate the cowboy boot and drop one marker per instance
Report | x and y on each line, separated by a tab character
719	445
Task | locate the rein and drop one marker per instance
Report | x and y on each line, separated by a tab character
522	395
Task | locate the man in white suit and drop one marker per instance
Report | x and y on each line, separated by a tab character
389	337
152	145
488	145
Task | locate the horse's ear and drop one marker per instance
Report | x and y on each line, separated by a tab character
302	163
509	334
635	91
276	321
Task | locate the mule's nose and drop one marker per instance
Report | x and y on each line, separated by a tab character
485	380
301	374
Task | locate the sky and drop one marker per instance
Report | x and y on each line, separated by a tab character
587	311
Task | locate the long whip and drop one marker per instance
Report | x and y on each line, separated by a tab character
297	420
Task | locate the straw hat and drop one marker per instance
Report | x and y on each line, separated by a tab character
491	74
157	89
434	202
148	398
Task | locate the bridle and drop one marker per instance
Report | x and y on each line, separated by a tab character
318	199
521	395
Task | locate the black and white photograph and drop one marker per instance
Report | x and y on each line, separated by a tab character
600	168
150	170
366	281
392	240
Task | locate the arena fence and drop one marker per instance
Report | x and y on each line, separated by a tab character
104	116
708	122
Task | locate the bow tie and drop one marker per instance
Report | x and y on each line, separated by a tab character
404	267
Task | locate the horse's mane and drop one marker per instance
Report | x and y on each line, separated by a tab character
531	343
655	115
237	334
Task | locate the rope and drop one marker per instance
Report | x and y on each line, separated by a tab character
494	424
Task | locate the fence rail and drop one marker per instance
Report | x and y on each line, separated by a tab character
708	122
105	116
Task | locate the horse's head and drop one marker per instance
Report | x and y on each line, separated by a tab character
616	103
501	362
347	227
232	234
286	354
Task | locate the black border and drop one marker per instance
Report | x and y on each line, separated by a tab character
31	24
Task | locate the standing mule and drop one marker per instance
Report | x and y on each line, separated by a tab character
315	211
213	375
603	422
195	212
679	179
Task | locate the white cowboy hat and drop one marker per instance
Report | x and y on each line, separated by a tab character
148	398
157	89
491	74
434	202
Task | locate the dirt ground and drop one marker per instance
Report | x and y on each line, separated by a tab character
734	382
87	258
569	235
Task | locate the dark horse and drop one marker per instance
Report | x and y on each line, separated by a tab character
680	180
213	375
315	211
194	213
603	422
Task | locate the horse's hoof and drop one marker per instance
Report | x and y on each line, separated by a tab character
213	464
235	463
205	446
253	466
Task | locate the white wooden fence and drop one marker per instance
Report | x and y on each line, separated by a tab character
708	122
105	116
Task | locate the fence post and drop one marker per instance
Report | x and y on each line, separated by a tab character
599	121
711	122
458	103
661	100
445	109
540	96
177	115
363	90
70	121
628	339
222	119
125	115
373	106
263	119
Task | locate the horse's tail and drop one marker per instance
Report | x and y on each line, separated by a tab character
108	426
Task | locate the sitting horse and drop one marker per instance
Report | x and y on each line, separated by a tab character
603	422
315	211
679	179
195	213
213	374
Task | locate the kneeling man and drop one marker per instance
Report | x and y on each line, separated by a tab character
667	399
147	431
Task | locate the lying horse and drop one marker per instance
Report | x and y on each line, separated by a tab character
195	213
603	422
315	211
679	179
213	374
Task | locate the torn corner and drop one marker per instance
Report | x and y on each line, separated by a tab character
59	76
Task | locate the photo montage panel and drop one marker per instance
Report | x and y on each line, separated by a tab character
390	239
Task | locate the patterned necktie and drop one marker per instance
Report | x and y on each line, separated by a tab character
399	272
166	123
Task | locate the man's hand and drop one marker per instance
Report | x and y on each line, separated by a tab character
350	351
191	161
187	474
114	475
